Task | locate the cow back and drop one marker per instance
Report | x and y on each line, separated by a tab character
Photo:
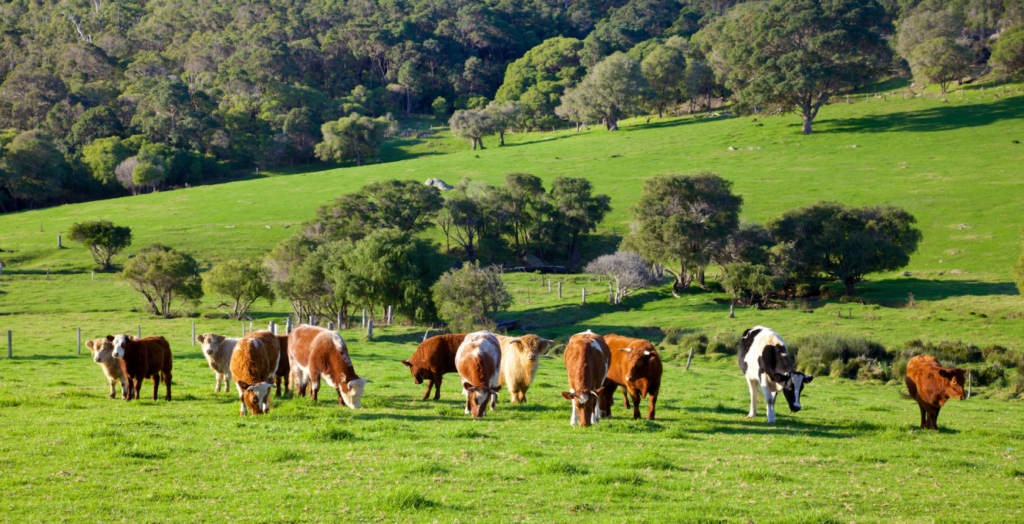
587	359
300	344
478	359
438	353
255	358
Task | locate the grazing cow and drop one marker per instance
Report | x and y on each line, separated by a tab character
520	357
103	354
479	363
636	367
284	368
253	367
432	359
587	358
764	360
315	352
143	358
931	385
217	349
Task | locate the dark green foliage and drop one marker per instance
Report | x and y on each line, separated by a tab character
612	90
540	77
102	238
354	137
575	212
470	296
1008	53
837	355
405	205
163	276
243	281
32	169
1018	273
750	283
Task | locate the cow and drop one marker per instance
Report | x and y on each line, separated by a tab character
217	349
316	353
587	358
520	358
479	364
103	354
636	367
764	360
432	359
143	358
253	367
284	368
931	385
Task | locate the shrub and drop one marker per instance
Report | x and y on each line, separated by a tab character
834	352
242	281
103	240
470	295
163	276
629	272
750	283
803	290
949	353
988	375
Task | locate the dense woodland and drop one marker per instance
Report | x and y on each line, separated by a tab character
100	98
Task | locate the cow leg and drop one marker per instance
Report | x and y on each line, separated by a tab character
635	396
752	385
575	419
606	398
156	384
437	387
220	378
494	401
113	387
277	380
124	387
935	419
167	385
341	399
650	410
468	412
242	411
314	386
522	396
769	400
625	398
924	415
287	386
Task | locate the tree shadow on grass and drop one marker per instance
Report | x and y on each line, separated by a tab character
899	288
944	118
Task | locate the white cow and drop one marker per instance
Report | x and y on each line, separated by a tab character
218	349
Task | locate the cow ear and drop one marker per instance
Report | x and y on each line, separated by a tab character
496	388
808	379
407	364
88	344
567	396
110	338
946	373
625	349
544	344
467	386
199	338
598	391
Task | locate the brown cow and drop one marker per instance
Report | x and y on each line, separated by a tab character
143	358
284	368
432	359
587	358
253	366
931	385
636	367
103	354
479	363
315	352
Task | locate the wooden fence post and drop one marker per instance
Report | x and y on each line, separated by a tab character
364	319
10	350
341	325
243	329
584	295
79	341
59	245
139	333
390	312
369	330
94	275
250	327
730	311
288	326
549	285
559	290
311	321
193	334
688	359
426	334
330	326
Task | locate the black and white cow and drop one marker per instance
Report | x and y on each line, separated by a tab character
764	359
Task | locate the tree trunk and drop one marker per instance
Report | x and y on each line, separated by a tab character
474	144
700	276
807	124
613	125
481	141
501	138
849	286
408	102
359	158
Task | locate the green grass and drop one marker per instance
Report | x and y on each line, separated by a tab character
854	454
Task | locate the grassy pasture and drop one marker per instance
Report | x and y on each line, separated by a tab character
852	455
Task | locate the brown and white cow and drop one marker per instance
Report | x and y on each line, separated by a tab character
520	358
479	363
103	354
217	349
284	367
143	358
636	367
931	385
316	353
587	358
432	359
253	367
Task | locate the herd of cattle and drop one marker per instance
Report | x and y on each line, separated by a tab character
596	366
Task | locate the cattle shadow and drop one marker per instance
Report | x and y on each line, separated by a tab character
944	118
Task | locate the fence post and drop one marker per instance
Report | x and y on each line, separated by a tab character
369	330
139	333
730	311
59	245
243	329
584	295
341	325
288	326
688	359
330	326
559	290
549	285
363	325
426	334
79	341
311	321
390	311
9	346
193	334
250	326
94	275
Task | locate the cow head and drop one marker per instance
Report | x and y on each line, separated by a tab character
119	342
792	385
954	382
102	350
419	374
640	357
210	342
352	393
257	398
478	397
530	347
584	403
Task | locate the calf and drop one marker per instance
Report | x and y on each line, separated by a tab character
587	358
636	366
253	366
765	363
432	359
520	358
284	368
143	358
217	349
479	364
931	385
103	354
315	352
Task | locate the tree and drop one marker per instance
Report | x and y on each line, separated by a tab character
441	108
578	210
463	215
520	197
627	270
665	71
539	79
683	219
473	125
243	281
1008	53
405	205
352	137
163	276
32	169
96	123
469	298
848	243
612	90
103	156
103	239
924	24
504	116
940	61
125	174
301	129
796	54
750	283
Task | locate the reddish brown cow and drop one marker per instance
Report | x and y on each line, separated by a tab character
479	364
587	358
931	385
284	368
636	367
143	358
432	359
315	352
253	365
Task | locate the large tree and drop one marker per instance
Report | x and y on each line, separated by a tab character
847	243
405	205
164	276
472	124
940	61
470	297
1008	53
613	89
578	211
354	137
796	54
665	71
242	281
683	219
103	239
522	196
32	169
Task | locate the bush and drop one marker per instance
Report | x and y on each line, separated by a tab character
243	281
697	340
163	276
750	283
723	344
469	296
988	375
841	355
949	353
103	240
804	290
